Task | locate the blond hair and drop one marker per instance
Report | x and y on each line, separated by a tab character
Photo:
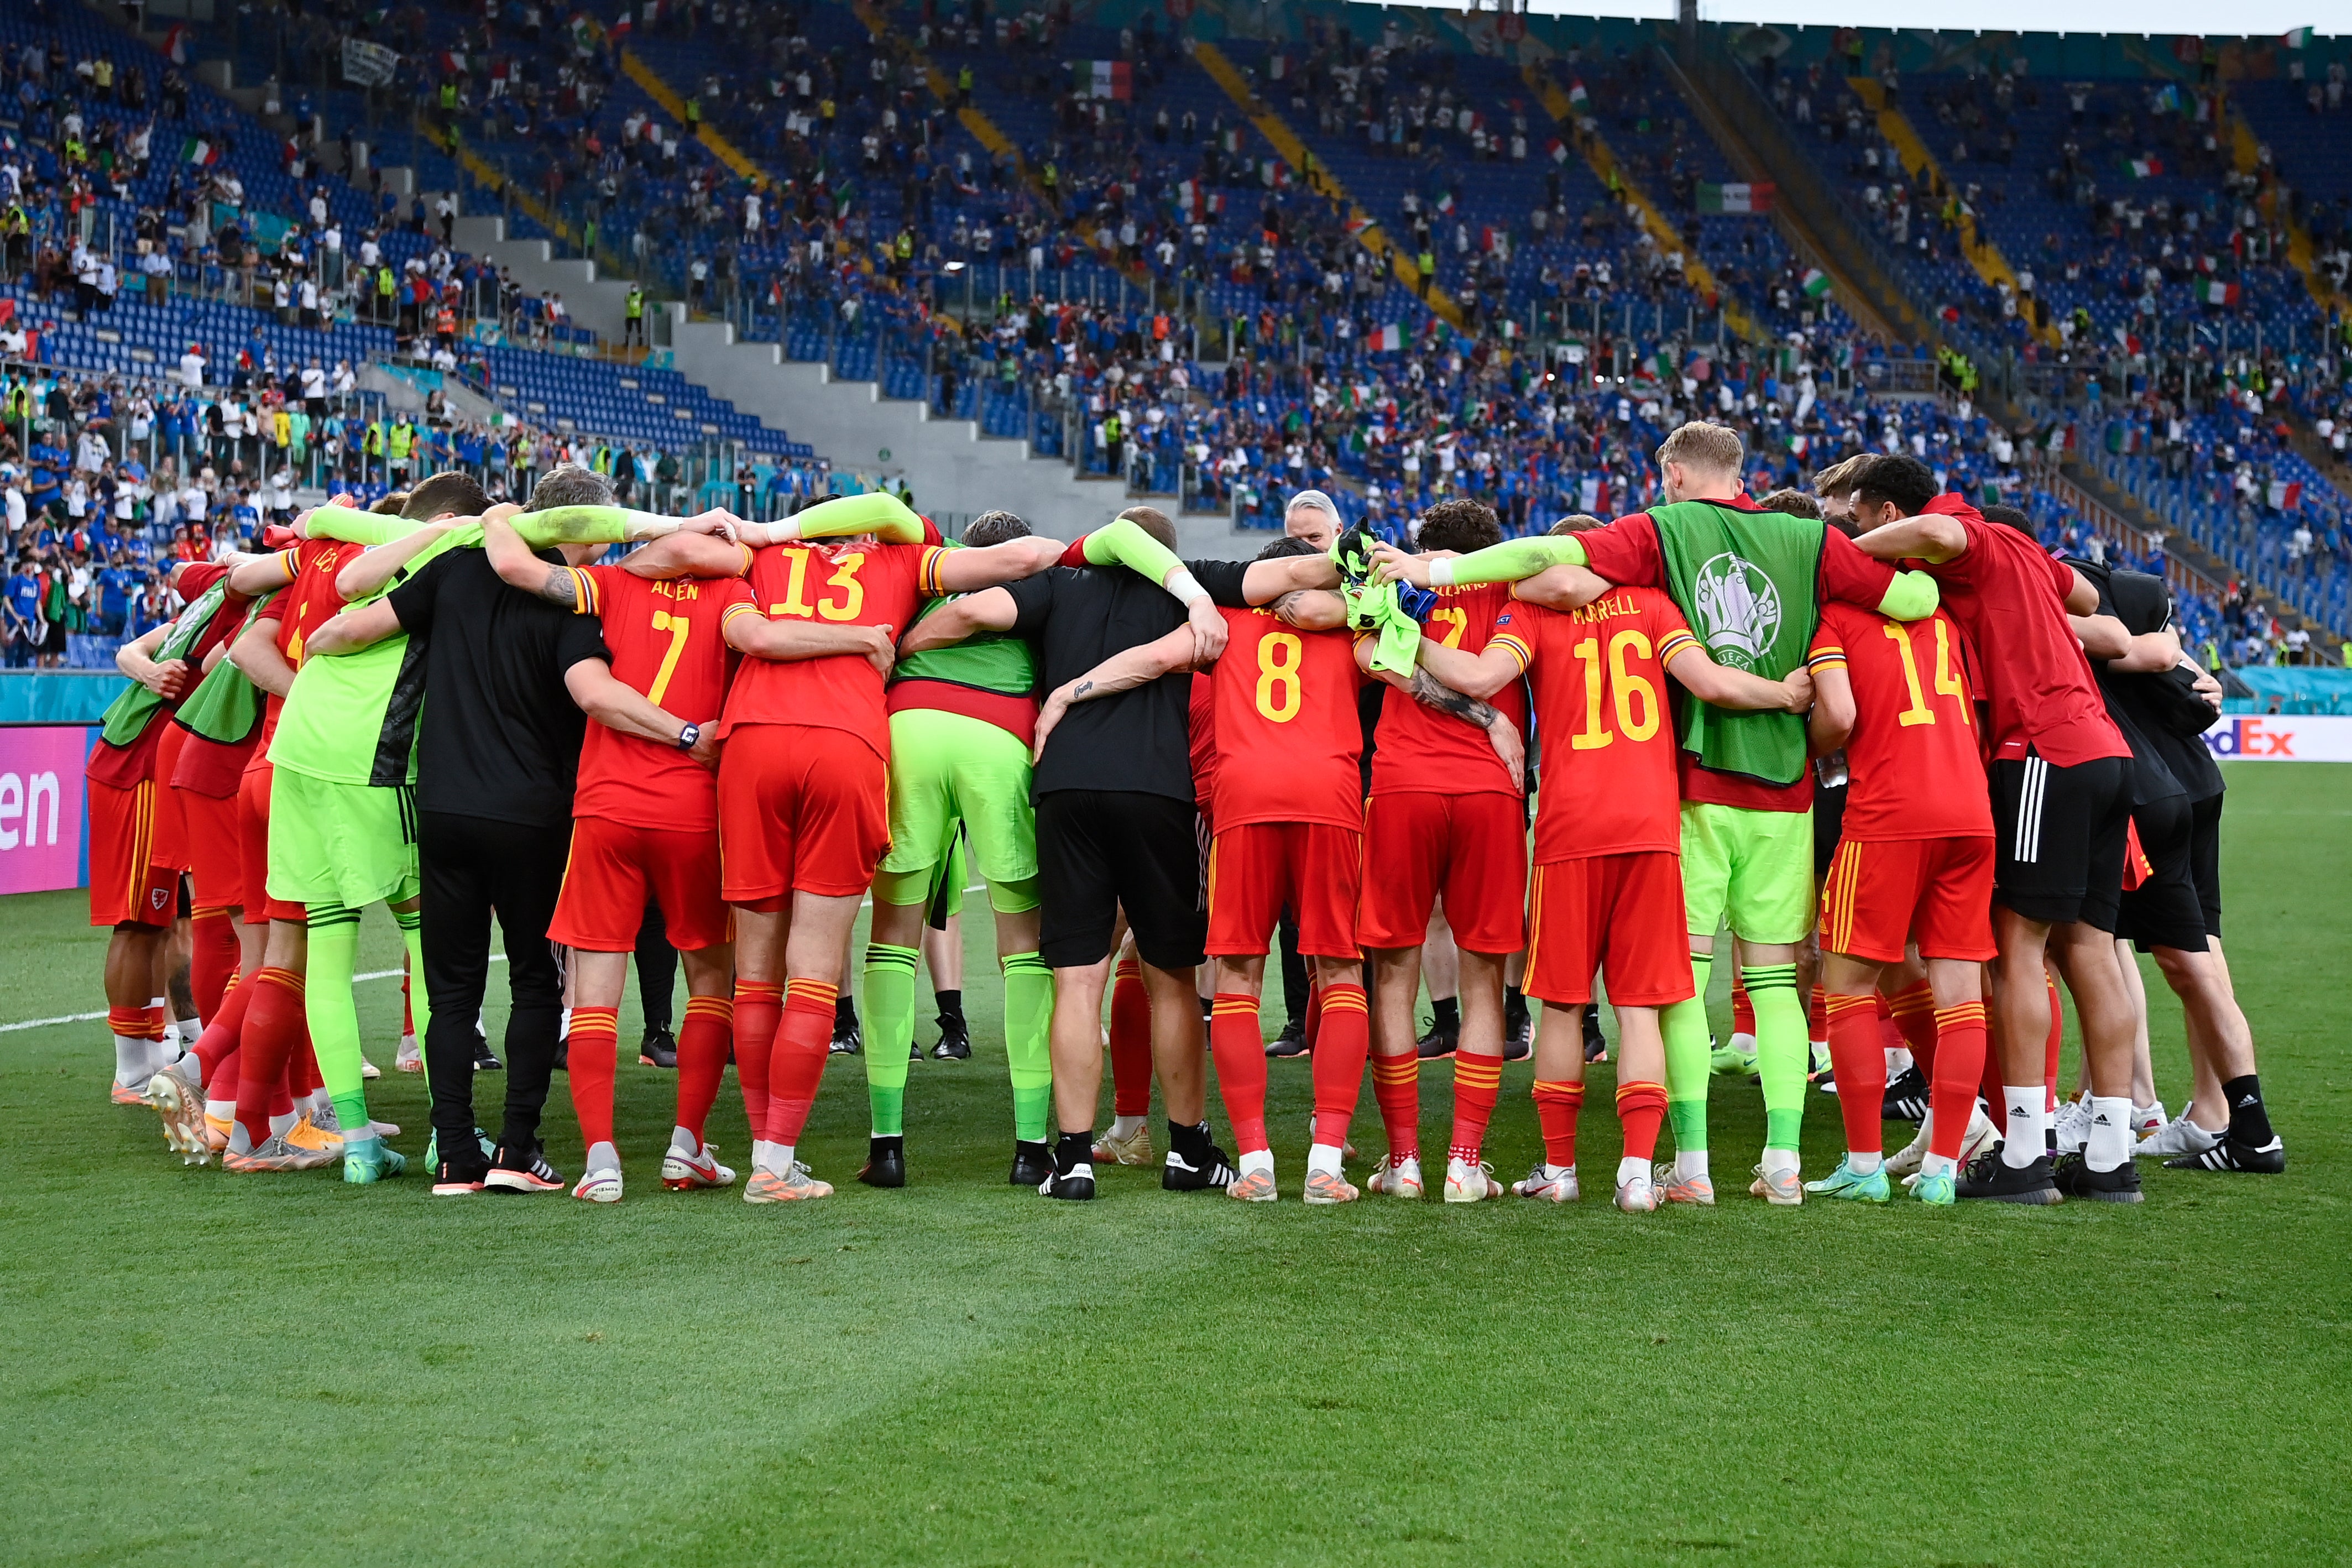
1715	448
1841	477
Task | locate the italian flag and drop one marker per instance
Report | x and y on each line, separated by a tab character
2221	293
1815	283
1102	79
2285	495
2144	168
1735	198
1557	150
1359	223
1577	95
1391	337
1446	203
2295	37
196	150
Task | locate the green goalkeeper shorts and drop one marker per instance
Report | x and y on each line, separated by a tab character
1754	868
353	845
946	769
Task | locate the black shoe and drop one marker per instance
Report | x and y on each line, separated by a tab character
483	1060
2077	1180
1076	1183
2230	1154
1178	1174
955	1042
562	1061
1291	1042
1518	1034
1033	1164
1437	1044
848	1039
1906	1097
886	1162
1596	1043
522	1170
914	1052
1991	1178
658	1048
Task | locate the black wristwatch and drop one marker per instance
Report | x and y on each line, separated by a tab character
688	736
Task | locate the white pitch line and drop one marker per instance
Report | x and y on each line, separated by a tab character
86	1018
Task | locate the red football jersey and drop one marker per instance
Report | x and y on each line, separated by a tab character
1417	749
1915	756
667	644
840	585
1608	728
1203	718
305	604
1289	746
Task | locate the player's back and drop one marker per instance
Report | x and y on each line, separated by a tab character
1287	736
1601	703
1915	752
668	644
1418	749
858	584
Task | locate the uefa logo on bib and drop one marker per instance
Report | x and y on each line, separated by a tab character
1739	610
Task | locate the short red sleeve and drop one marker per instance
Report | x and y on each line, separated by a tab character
1075	554
1626	552
1849	575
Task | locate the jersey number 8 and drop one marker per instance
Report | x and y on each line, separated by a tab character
1277	675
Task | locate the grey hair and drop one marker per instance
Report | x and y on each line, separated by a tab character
1315	501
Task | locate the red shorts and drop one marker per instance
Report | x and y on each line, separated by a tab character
799	809
252	849
1258	870
126	885
170	846
618	868
216	850
1470	848
1620	914
1935	892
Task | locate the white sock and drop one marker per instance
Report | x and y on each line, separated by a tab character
221	1109
240	1142
564	1026
281	1125
1631	1167
1127	1126
1898	1061
682	1140
780	1158
1255	1161
131	1062
191	1031
1778	1160
1689	1166
1927	1127
1744	1044
2027	1106
2109	1145
1323	1157
1864	1164
408	1046
603	1157
1554	1172
1938	1165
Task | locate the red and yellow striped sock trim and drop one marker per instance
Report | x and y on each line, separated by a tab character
1960	1016
1129	969
1913	1000
1554	1091
1841	1006
719	1007
130	1023
812	994
284	978
1343	998
1477	1072
1394	1070
1639	1093
595	1021
757	991
1229	1002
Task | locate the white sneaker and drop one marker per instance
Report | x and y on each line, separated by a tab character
1468	1184
1396	1178
1346	1149
2178	1136
1560	1189
2074	1126
2148	1121
1905	1160
1134	1149
598	1187
368	1069
683	1173
1982	1134
410	1057
1639	1196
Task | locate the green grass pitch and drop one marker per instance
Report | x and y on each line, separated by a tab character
204	1368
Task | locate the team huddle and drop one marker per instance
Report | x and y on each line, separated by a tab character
1909	759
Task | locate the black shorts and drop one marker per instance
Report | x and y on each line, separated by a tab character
2059	839
2205	860
1099	851
1829	826
2163	910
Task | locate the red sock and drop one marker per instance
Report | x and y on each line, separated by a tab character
1130	1041
151	1023
703	1058
1640	1105
1860	1061
1960	1057
591	1050
303	1068
1314	1012
214	961
1238	1046
759	1005
1743	1011
1914	1008
217	1047
1477	1082
274	1029
1339	1060
796	1057
1557	1105
1817	1015
2050	1047
1396	1087
407	1014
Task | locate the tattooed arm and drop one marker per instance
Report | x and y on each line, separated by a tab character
517	567
1431	692
1119	672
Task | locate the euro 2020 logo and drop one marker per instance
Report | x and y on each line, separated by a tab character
1739	610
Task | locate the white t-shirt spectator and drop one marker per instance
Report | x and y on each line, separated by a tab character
192	369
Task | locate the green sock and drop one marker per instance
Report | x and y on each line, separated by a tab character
1028	1013
889	1032
420	1006
1781	1050
1683	1024
327	1007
